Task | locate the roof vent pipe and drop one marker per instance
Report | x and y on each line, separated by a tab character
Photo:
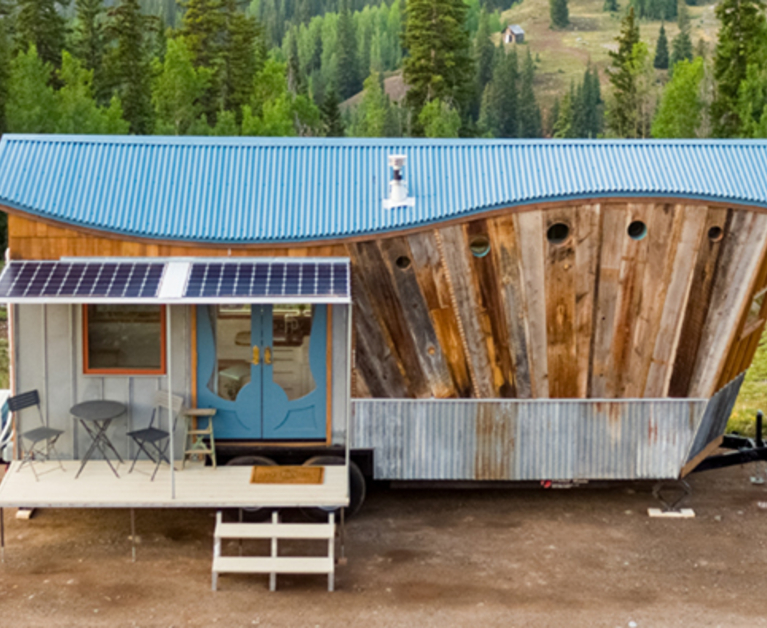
398	186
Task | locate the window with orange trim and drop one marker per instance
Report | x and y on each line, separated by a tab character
127	339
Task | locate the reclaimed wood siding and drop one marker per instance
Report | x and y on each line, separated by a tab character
597	315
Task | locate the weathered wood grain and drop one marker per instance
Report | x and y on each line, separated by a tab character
683	258
529	226
505	249
614	224
664	228
466	302
735	279
588	240
698	304
491	312
428	350
559	274
377	369
431	276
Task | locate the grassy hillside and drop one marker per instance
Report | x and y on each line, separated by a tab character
563	55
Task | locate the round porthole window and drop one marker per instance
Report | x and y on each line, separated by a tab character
558	233
637	230
479	245
715	234
403	262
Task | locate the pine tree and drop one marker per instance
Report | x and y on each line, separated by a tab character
681	47
347	81
371	114
611	5
77	110
296	82
5	61
40	24
128	64
661	51
530	124
622	78
243	56
681	107
332	121
484	55
740	43
203	27
559	14
89	42
439	63
178	89
439	119
499	114
752	103
31	106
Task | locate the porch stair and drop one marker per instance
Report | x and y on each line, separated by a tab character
274	564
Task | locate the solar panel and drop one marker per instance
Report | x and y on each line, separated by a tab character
116	280
295	278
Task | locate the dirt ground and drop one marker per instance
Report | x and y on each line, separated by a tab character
580	557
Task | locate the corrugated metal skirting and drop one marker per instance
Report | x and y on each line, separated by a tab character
527	440
716	416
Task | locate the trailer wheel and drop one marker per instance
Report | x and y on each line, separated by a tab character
357	488
257	513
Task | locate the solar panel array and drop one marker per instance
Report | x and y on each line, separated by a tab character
80	279
269	278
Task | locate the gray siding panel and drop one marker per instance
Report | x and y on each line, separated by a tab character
717	414
526	440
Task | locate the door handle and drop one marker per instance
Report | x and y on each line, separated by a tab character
256	356
268	355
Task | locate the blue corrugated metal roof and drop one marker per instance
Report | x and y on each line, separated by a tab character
239	190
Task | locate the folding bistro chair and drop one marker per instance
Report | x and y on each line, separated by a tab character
42	440
154	441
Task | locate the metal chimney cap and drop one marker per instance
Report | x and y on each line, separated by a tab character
397	161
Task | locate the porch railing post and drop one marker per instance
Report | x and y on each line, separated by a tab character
171	435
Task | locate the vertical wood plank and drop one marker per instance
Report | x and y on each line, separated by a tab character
697	306
505	248
428	350
491	311
587	254
664	227
377	370
559	272
529	226
370	268
608	288
465	293
742	252
432	279
683	261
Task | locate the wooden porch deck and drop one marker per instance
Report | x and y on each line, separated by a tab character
196	487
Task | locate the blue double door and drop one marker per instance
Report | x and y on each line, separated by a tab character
264	369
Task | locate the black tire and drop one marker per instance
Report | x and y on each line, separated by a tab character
357	488
257	513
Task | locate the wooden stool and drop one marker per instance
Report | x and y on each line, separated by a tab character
194	445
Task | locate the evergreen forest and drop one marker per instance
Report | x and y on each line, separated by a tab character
369	68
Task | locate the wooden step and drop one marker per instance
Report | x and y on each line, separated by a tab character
273	564
276	531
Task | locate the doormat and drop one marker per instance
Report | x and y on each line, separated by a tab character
287	475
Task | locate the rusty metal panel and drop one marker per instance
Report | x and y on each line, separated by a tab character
526	440
715	418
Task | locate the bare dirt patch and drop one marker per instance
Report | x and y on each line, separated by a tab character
580	557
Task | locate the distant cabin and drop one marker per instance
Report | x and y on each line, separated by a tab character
513	34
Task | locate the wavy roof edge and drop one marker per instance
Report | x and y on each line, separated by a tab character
273	191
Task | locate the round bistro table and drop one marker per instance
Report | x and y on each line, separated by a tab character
96	417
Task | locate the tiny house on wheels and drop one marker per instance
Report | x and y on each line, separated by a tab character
410	310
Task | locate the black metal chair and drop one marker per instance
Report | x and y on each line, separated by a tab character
154	441
37	436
